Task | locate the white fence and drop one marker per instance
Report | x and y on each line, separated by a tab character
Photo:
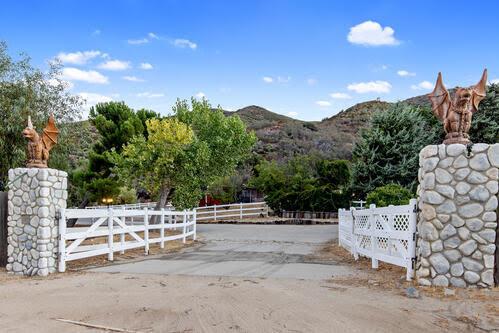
232	211
110	222
386	233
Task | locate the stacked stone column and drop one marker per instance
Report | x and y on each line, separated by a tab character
35	197
458	220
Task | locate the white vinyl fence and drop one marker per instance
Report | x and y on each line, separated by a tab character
385	233
110	222
237	211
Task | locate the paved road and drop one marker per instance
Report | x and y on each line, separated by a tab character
279	251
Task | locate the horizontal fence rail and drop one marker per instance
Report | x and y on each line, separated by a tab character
383	234
232	211
110	222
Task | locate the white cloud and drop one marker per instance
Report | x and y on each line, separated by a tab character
283	79
115	65
311	81
78	58
152	35
371	33
148	94
133	79
146	66
405	73
267	79
200	95
75	74
323	103
423	85
92	98
183	43
138	41
371	86
292	114
339	95
495	81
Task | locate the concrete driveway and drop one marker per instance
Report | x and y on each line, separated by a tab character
278	251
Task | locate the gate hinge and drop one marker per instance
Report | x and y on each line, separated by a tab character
413	260
414	236
416	209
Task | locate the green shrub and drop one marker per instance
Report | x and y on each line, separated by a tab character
391	194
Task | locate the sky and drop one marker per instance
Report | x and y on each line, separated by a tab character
304	59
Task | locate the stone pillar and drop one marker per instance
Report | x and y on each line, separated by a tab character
35	196
457	198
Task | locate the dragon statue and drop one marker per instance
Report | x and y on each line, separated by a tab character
455	112
40	145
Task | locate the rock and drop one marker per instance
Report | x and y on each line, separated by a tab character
443	218
436	246
412	292
457	269
471	277
493	155
439	263
488	277
44	232
442	176
43	212
446	190
452	255
428	182
477	255
440	281
491	205
428	231
492	186
422	272
432	197
468	247
460	162
477	178
456	221
470	210
479	193
492	225
457	282
463	233
447	207
489	248
462	199
462	173
474	224
449	292
488	234
479	239
479	147
480	162
471	264
493	173
462	188
424	248
430	164
452	242
456	149
424	282
428	212
17	267
446	162
447	232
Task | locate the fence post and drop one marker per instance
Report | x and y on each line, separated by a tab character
122	235
372	218
162	230
110	236
194	227
411	244
146	231
184	228
352	234
62	240
215	212
240	210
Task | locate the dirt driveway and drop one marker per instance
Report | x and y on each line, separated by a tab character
357	301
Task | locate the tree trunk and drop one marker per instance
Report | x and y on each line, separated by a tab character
163	198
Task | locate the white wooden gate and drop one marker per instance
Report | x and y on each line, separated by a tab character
111	222
386	233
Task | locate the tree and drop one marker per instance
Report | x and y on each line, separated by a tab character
27	91
391	194
485	123
388	152
185	153
117	124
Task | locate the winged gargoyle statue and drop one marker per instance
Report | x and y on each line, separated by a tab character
456	112
39	147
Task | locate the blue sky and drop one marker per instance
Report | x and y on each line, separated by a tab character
305	59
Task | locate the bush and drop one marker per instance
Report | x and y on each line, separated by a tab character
391	194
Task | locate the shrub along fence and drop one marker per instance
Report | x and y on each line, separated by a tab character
99	238
383	234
